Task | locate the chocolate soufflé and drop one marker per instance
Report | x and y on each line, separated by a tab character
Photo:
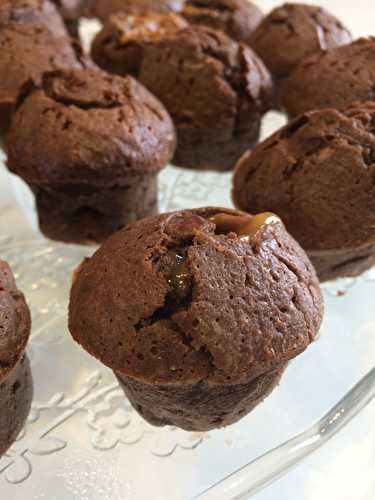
294	31
318	174
34	39
90	146
217	109
16	386
335	78
118	48
237	18
102	9
197	312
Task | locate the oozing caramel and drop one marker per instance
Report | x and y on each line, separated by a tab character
245	226
180	280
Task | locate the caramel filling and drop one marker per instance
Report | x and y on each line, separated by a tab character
180	281
245	226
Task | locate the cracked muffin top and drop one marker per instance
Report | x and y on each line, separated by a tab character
237	18
88	126
205	294
232	80
215	89
104	8
15	321
335	78
118	47
293	32
33	39
318	174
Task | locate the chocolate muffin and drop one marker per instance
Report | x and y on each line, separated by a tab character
197	312
33	39
15	375
292	32
238	18
216	91
104	8
90	146
335	78
318	174
118	48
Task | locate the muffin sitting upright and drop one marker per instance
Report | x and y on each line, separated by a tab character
197	312
238	18
15	376
335	78
293	32
33	39
90	146
105	8
215	89
318	174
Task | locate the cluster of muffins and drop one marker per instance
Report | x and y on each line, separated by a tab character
197	312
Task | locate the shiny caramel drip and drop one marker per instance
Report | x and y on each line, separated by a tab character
180	281
245	226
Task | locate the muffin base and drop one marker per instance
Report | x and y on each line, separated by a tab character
16	392
206	150
199	407
332	264
89	214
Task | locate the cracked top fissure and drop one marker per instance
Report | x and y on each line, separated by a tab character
169	301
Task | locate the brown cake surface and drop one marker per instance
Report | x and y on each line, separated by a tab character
215	90
318	174
335	78
33	39
90	145
237	18
294	31
188	312
16	393
15	375
40	14
119	47
104	8
14	321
